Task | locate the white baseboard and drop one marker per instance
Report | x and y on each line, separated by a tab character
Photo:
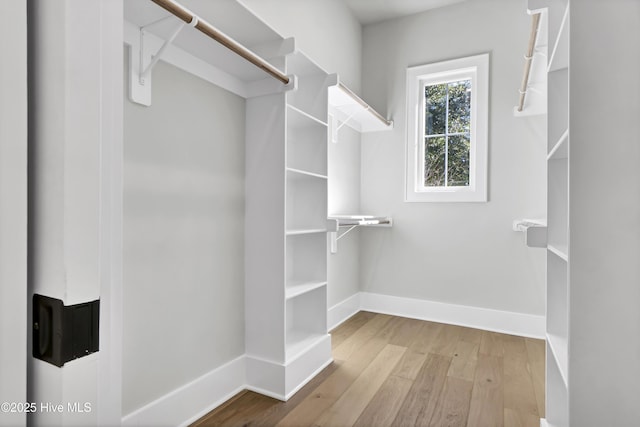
343	310
266	377
507	322
283	381
193	400
307	365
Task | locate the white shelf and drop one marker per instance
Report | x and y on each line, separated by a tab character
303	173
559	57
351	222
200	54
561	149
295	289
306	231
535	232
355	113
299	118
560	251
362	220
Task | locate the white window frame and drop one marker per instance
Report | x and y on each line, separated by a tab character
475	68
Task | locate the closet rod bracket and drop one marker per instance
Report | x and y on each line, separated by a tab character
145	74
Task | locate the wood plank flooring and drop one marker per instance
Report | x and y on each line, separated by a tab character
392	371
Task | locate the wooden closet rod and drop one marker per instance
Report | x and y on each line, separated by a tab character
206	28
535	23
364	104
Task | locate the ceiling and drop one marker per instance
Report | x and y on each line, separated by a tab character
371	11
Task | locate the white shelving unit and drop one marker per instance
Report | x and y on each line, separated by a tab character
558	379
286	234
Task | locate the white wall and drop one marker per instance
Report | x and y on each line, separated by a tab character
13	207
325	30
461	253
183	235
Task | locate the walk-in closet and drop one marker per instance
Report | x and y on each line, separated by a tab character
319	213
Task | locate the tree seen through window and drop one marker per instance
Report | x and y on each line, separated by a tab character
447	134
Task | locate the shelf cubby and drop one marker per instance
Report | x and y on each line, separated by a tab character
557	408
558	108
557	310
557	194
306	197
306	142
306	321
306	260
295	289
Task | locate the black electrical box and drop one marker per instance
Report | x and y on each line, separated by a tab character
64	332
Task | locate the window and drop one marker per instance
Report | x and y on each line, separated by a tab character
447	110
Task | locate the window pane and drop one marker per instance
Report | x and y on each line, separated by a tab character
459	106
436	109
434	161
458	161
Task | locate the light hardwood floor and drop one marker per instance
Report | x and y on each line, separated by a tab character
393	371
